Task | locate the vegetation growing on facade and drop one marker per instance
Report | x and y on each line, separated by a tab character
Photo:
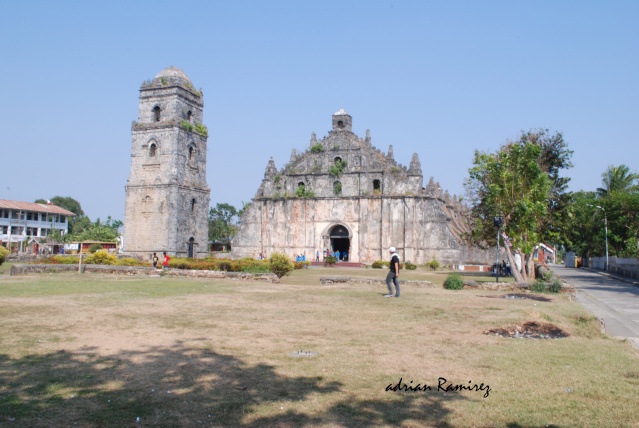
303	192
337	188
187	126
317	148
337	169
395	169
201	129
190	87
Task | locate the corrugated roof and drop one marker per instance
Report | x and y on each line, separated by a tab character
32	206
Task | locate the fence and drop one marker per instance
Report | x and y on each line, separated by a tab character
624	267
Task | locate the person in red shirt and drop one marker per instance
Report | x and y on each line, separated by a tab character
165	262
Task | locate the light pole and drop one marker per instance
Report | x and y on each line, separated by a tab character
498	221
605	230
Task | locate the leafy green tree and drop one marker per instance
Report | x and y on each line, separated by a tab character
221	223
521	184
68	203
617	179
580	228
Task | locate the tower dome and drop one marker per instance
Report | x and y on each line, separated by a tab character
173	73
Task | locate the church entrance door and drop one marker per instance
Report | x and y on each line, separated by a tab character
340	240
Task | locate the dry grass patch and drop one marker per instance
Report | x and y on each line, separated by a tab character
183	352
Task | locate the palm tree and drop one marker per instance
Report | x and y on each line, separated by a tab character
617	178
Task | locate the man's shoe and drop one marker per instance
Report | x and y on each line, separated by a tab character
388	295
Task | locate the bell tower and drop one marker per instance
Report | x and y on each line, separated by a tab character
166	196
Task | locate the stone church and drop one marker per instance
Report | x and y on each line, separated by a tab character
344	194
166	196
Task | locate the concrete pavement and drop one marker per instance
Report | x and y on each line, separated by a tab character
614	300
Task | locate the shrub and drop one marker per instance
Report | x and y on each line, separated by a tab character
128	261
379	264
454	281
3	254
280	264
94	247
410	266
555	286
330	261
538	286
433	264
101	257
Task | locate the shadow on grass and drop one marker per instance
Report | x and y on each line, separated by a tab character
186	385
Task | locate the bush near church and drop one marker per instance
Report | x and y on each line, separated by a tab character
281	265
3	254
454	281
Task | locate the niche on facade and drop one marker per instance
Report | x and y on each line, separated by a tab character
377	187
147	206
337	188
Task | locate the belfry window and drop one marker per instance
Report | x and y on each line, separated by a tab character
189	115
156	113
193	203
153	150
340	124
377	188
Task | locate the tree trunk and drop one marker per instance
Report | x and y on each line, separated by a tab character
513	266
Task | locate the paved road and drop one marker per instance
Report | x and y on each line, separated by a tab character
616	301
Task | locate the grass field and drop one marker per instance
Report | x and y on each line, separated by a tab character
104	351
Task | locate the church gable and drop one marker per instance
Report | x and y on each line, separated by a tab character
341	165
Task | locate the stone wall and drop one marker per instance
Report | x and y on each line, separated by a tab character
22	269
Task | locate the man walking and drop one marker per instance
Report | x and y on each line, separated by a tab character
393	274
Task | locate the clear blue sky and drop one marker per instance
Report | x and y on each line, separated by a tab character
439	78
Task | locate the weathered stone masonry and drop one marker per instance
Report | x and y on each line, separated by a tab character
364	207
167	197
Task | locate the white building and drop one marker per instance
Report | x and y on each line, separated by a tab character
19	220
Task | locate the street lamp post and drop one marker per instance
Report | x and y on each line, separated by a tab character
605	230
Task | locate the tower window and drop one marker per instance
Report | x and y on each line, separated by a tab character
153	150
340	124
189	115
191	153
193	203
338	160
156	113
377	188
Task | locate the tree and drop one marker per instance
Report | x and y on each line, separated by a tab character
617	178
521	184
76	224
68	203
221	225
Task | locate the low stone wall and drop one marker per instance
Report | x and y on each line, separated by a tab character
21	269
360	280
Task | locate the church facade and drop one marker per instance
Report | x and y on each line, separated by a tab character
343	194
166	196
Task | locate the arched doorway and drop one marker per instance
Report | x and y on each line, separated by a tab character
340	240
190	248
